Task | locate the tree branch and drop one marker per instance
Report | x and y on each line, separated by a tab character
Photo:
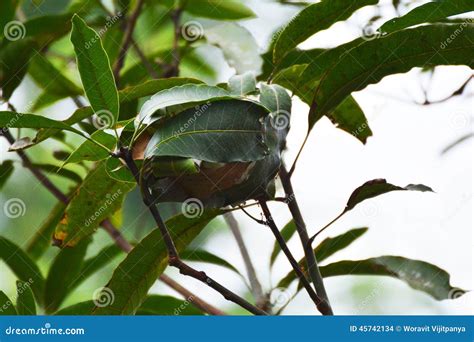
173	255
320	304
261	299
311	261
127	39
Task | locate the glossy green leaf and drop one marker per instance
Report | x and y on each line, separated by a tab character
220	10
167	305
25	302
90	151
225	131
428	13
199	255
79	309
96	73
97	198
23	267
331	245
275	98
42	239
146	262
312	19
6	306
417	274
64	270
14	57
238	46
21	120
177	96
6	170
287	232
395	53
242	84
378	187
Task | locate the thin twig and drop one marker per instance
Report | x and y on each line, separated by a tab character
320	304
260	298
173	255
127	39
114	233
311	261
146	63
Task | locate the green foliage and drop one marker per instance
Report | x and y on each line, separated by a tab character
25	303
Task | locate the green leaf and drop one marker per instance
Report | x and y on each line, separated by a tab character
331	245
199	255
64	270
7	13
90	151
6	306
6	170
225	131
287	232
21	120
428	13
55	170
96	73
395	53
23	267
79	309
118	171
220	10
275	98
312	19
42	239
417	274
25	302
14	57
168	306
146	262
152	87
177	96
45	29
242	84
97	198
96	263
238	46
49	78
377	187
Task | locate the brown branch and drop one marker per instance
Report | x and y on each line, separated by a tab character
320	304
311	261
173	255
114	233
127	40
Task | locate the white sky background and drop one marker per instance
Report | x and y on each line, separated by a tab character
405	149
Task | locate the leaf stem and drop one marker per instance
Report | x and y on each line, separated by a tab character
326	226
311	261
